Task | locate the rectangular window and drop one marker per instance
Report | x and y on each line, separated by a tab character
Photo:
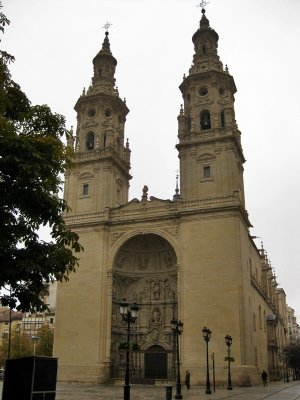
85	189
206	172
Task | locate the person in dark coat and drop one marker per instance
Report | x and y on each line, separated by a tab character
264	377
187	379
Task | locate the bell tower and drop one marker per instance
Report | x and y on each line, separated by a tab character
210	152
100	177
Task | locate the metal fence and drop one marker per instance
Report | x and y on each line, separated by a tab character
145	365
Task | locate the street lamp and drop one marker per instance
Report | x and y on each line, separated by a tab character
35	339
206	336
129	315
228	341
177	328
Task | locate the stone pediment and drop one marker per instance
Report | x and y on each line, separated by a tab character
132	204
135	203
157	200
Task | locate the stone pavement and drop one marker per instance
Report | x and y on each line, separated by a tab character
275	391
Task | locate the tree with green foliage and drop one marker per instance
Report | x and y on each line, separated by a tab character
33	158
22	344
44	345
293	356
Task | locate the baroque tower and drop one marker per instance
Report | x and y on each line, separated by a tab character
102	161
210	152
191	258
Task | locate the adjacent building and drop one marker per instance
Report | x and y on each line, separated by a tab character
9	320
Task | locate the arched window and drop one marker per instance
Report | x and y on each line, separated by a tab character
90	140
205	120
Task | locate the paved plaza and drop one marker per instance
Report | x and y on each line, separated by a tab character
274	391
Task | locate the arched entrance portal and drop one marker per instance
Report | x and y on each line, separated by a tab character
145	272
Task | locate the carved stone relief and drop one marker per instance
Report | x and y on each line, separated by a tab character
155	317
146	252
115	236
145	272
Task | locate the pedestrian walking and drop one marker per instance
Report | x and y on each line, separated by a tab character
264	377
187	379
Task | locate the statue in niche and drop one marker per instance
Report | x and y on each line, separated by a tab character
142	261
155	317
169	293
114	287
156	290
143	293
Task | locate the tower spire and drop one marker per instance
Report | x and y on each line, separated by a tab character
205	41
106	45
105	64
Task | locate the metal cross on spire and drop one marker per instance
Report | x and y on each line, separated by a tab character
107	26
203	4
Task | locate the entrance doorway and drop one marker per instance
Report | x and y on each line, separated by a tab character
156	363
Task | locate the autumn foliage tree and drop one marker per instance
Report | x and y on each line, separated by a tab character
44	345
33	158
20	346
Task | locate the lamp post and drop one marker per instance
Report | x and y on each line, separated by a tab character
35	339
228	341
206	336
177	328
129	315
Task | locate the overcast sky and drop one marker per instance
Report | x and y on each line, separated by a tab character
54	42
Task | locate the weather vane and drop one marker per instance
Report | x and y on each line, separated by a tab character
107	26
203	4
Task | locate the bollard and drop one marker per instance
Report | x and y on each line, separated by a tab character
168	392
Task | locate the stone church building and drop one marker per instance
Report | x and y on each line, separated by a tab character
191	258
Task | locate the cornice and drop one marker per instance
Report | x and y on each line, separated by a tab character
156	210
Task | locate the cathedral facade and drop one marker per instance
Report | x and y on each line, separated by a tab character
191	258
